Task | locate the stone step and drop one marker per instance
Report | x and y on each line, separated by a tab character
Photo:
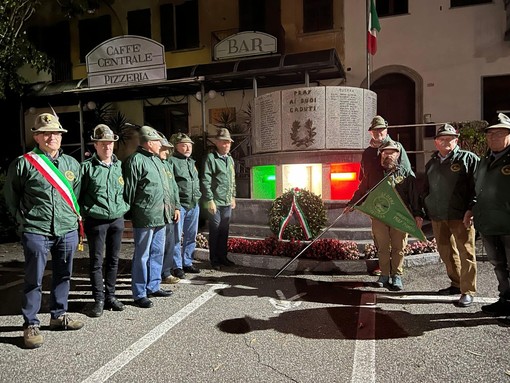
263	231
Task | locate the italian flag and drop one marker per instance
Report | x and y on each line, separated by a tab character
373	28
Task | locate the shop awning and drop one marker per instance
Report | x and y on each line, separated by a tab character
268	71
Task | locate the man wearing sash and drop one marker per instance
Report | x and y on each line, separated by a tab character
40	192
149	193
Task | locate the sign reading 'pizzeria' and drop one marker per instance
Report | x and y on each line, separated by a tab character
126	60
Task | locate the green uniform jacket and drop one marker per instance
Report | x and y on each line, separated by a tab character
173	185
147	190
492	184
449	189
36	205
102	189
219	179
188	181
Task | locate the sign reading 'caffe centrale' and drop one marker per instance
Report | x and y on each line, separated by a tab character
126	60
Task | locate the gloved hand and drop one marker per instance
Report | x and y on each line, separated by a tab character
211	207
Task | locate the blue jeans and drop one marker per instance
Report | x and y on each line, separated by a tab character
498	252
219	224
187	230
147	260
36	248
171	230
101	232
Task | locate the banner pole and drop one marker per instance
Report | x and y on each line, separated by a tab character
330	226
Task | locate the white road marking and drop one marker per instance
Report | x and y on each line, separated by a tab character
435	298
284	303
116	364
363	369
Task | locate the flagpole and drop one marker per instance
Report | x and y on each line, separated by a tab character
367	29
335	221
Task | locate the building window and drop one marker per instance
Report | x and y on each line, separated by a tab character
392	7
463	3
317	15
55	41
92	33
139	23
252	15
179	26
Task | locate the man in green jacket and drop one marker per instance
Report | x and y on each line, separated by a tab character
371	170
40	191
390	241
149	194
103	208
219	190
170	228
449	196
492	209
188	182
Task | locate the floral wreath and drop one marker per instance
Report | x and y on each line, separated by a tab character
309	136
308	209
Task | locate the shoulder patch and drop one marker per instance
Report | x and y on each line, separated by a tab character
69	175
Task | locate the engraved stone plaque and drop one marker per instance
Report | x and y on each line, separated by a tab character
267	123
303	118
313	118
348	113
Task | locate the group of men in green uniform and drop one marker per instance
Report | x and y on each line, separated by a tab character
48	193
461	193
56	201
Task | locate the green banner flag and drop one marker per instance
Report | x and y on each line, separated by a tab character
384	203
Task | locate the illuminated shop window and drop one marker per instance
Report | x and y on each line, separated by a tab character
344	180
303	176
264	182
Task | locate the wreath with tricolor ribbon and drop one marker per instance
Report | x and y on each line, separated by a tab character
297	214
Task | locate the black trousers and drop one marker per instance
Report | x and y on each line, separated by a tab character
219	225
104	236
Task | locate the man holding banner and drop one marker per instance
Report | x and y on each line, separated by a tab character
40	192
389	204
371	171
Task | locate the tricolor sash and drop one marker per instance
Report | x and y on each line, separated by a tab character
55	177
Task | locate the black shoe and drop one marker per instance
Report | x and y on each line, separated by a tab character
216	266
161	293
144	303
499	308
465	300
179	273
96	310
113	304
452	290
227	262
191	269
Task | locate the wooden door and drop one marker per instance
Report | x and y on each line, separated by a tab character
396	102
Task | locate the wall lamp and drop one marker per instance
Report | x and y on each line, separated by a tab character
211	94
91	105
